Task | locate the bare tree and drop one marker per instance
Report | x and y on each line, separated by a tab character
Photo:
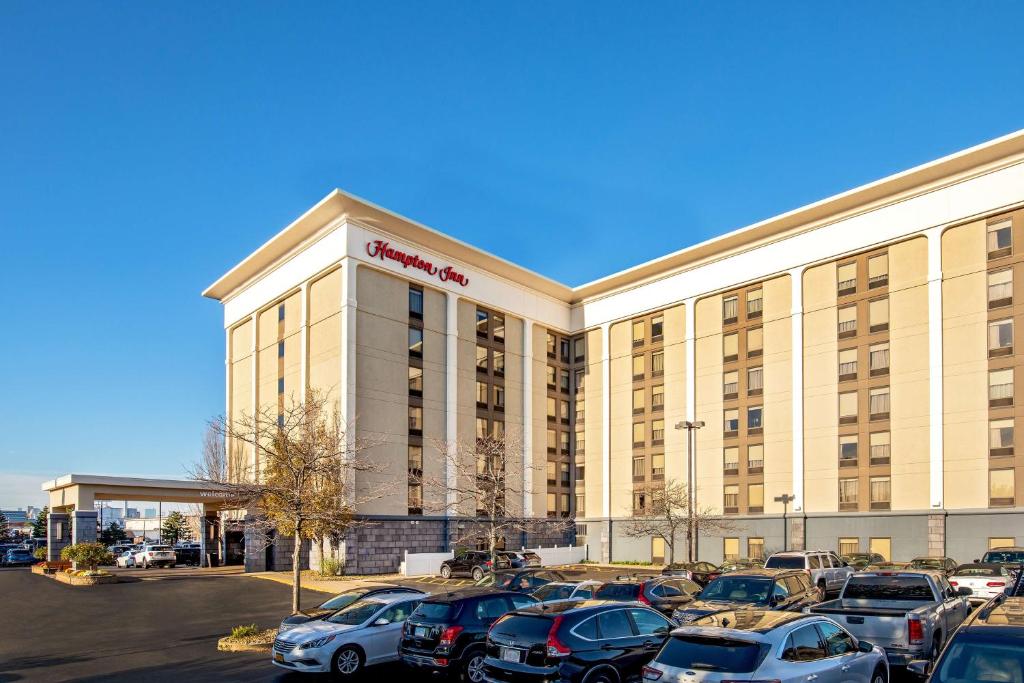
301	481
486	479
668	513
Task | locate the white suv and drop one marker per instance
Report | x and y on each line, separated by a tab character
827	571
155	555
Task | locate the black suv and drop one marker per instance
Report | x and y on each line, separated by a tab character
785	590
447	632
595	641
698	572
988	646
475	563
664	593
520	580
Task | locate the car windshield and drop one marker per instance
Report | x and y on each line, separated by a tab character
927	563
1004	556
785	562
738	589
903	588
977	571
356	613
969	659
618	591
553	591
711	654
342	600
160	547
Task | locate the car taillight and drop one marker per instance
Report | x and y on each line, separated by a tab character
990	584
487	563
555	647
643	598
952	583
652	674
915	629
449	635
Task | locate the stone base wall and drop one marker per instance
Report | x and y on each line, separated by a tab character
379	547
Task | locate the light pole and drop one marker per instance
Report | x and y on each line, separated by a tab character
691	451
785	499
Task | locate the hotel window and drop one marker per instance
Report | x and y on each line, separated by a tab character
638	434
755	342
878	359
755	381
878	271
481	428
848	407
848	451
415	342
638	333
755	419
481	394
499	398
755	548
564	347
755	304
415	504
658	397
730	306
552	512
848	490
415	381
755	458
1000	338
1000	488
552	376
732	422
638	367
552	441
580	347
878	405
563	377
499	362
639	501
847	364
581	443
658	465
551	474
280	313
581	376
564	411
498	431
880	444
1000	437
731	497
731	549
580	509
1000	288
848	321
730	347
280	349
565	505
551	341
882	546
563	473
730	384
415	458
657	432
1007	542
481	323
481	358
1000	387
580	409
552	409
1000	239
280	385
416	420
657	327
846	278
849	546
878	315
638	401
415	303
639	467
731	460
658	363
755	497
881	493
498	327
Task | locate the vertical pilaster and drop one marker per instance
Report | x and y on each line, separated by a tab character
254	383
935	408
451	414
58	533
796	286
304	340
83	526
606	424
349	321
527	418
690	348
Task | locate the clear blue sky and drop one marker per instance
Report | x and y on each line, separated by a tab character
147	147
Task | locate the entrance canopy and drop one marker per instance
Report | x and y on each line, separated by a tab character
81	491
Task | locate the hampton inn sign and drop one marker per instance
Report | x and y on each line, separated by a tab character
384	251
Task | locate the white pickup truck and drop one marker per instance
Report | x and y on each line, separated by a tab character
909	613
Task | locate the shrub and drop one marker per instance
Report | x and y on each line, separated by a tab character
330	566
245	631
39	554
89	555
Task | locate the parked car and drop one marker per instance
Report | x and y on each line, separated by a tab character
787	590
735	566
989	646
125	559
447	633
698	572
155	556
911	613
559	591
861	560
343	600
475	563
18	557
187	555
946	565
986	581
783	647
664	593
1010	557
828	572
364	633
520	580
521	558
593	641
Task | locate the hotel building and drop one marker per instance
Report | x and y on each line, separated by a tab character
856	354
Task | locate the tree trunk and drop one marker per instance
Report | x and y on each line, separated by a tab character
672	549
296	571
493	548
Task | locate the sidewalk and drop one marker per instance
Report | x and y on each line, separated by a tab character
325	585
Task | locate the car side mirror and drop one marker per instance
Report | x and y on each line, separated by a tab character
976	560
865	646
846	564
381	622
964	591
919	667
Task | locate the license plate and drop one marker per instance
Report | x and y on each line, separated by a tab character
509	655
278	657
422	631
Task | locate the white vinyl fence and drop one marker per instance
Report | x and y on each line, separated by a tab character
429	564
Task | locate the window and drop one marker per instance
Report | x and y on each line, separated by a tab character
1000	387
755	303
732	422
481	358
730	347
731	549
878	271
658	363
415	381
499	398
755	548
846	277
639	467
563	442
498	327
580	348
638	333
563	379
657	432
551	344
551	473
755	342
563	346
847	321
580	470
847	364
638	434
499	429
1000	288
280	349
638	367
755	457
481	323
482	430
415	303
481	394
552	408
755	497
280	385
731	459
499	362
657	327
731	501
878	315
1000	437
848	451
280	313
1000	487
658	465
1000	238
848	546
729	309
658	397
415	461
581	409
639	501
881	546
415	342
755	385
804	645
581	443
755	419
564	498
848	407
552	441
415	504
730	384
552	376
848	489
580	508
878	406
1000	337
563	411
994	543
415	420
879	442
878	359
552	511
837	641
581	376
880	493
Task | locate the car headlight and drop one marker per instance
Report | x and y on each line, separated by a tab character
319	642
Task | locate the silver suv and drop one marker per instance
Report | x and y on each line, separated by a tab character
827	571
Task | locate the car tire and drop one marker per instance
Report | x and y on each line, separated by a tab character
172	565
473	666
347	662
879	675
478	573
446	571
933	654
145	564
602	675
